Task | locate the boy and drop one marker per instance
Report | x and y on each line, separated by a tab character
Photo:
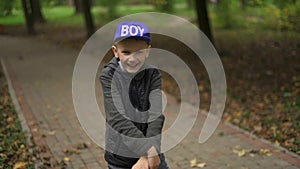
132	100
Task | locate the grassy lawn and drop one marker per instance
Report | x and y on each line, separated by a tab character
63	15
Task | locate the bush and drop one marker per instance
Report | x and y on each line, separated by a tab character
286	18
290	17
272	18
229	14
163	5
6	7
53	2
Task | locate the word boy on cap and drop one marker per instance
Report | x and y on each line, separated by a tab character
132	29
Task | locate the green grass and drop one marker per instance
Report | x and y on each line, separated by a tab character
12	20
65	15
251	19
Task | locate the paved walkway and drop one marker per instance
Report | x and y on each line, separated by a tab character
41	76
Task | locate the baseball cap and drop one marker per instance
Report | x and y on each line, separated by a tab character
132	29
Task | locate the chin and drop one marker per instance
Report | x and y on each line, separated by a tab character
132	71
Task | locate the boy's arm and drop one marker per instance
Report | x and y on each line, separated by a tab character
155	112
115	117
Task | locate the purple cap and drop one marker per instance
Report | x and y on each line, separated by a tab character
132	29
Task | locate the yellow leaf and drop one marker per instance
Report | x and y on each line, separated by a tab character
264	151
201	88
19	165
66	159
10	119
193	163
201	165
242	153
51	132
277	143
277	151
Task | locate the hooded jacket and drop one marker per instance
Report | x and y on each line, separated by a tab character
133	108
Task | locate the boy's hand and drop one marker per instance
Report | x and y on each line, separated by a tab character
153	158
142	163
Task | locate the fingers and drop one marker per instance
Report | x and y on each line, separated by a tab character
154	162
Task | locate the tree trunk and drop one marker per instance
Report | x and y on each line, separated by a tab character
70	3
112	4
28	17
244	4
203	21
88	17
78	6
36	11
190	4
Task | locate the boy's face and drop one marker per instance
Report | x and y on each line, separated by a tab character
132	54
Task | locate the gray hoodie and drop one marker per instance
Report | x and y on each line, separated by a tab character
133	106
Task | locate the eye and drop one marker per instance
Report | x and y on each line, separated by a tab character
141	52
125	52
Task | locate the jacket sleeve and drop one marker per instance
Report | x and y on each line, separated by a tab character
156	118
116	119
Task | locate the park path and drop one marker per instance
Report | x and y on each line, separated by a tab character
41	75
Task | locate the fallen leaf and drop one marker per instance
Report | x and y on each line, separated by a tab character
66	159
257	128
265	152
240	153
51	132
20	165
277	151
193	163
201	165
82	146
269	154
201	88
277	143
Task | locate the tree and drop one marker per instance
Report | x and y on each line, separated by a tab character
112	5
36	11
78	6
28	16
225	14
86	4
190	4
243	4
163	5
203	20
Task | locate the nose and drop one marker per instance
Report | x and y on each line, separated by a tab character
132	58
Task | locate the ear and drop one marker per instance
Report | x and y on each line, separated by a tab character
114	50
148	50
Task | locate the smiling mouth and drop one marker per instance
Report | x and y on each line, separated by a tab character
132	65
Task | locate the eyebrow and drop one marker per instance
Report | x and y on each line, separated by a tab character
125	50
